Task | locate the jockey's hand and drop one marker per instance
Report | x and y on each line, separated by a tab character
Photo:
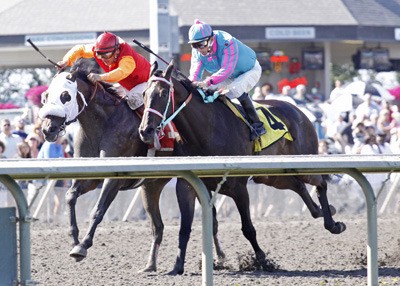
201	84
94	77
61	65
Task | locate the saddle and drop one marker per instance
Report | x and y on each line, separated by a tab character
276	128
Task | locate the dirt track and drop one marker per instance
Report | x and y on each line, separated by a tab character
305	253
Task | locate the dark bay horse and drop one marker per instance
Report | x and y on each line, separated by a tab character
108	128
213	130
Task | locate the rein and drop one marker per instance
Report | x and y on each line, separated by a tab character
171	98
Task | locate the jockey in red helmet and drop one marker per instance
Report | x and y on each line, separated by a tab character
121	63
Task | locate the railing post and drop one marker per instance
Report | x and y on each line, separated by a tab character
24	220
372	217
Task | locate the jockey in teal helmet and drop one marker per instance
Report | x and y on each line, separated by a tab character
232	66
199	31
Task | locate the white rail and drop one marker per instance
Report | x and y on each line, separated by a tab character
191	168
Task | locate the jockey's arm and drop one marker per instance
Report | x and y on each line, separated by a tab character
228	64
125	67
77	52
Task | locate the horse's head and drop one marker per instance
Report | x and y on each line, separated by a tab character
159	103
60	104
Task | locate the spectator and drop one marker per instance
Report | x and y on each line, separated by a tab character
10	140
385	124
66	147
316	95
54	150
335	131
337	91
20	127
257	94
267	90
33	140
23	150
301	96
323	148
359	135
285	95
2	148
371	148
383	145
365	109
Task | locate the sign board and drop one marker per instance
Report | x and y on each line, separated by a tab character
290	33
61	39
397	34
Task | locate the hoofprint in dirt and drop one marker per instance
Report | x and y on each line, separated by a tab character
300	252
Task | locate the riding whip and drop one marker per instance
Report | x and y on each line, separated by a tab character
153	53
37	49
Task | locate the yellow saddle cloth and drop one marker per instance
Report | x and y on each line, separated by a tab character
275	127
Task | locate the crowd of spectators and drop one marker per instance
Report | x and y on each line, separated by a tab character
21	139
370	127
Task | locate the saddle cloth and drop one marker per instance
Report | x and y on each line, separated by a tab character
275	127
167	141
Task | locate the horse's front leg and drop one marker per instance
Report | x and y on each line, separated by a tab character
186	196
150	192
78	188
239	193
108	193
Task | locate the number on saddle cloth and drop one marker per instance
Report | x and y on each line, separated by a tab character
275	124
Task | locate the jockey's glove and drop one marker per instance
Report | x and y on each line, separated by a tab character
94	77
61	65
201	84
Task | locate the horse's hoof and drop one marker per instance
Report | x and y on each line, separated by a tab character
148	268
260	256
176	271
339	227
332	209
78	253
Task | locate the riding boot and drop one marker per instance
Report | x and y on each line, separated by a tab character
254	120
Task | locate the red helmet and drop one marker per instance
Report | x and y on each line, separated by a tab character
106	42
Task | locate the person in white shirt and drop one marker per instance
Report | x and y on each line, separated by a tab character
337	91
10	140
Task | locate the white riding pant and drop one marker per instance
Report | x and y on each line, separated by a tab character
134	97
243	83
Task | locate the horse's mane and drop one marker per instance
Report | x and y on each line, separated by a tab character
84	67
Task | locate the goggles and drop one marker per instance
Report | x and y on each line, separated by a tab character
104	56
200	45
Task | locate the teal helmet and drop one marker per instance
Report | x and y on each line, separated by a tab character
199	31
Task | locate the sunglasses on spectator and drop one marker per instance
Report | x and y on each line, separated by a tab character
200	45
105	56
6	124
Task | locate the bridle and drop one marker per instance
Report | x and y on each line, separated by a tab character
82	108
171	101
